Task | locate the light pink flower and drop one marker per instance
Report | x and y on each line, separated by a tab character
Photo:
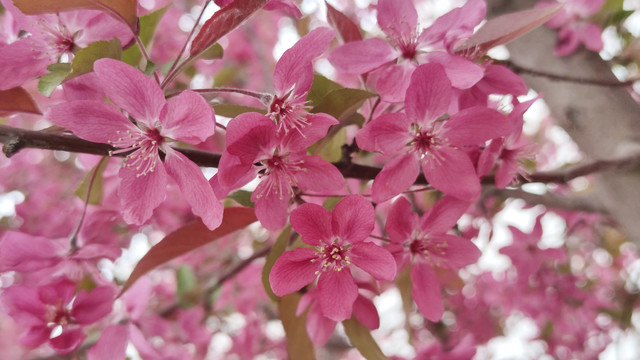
338	241
427	245
255	147
428	137
573	26
186	117
56	305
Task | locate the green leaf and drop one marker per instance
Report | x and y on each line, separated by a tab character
361	338
331	150
93	181
320	87
342	103
187	286
331	202
188	238
276	250
232	110
242	197
83	61
299	345
57	73
148	25
214	51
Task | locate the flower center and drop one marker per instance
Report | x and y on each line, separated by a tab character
426	142
334	256
57	315
289	112
58	40
279	175
432	250
145	146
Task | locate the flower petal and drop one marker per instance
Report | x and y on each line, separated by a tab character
352	220
297	141
313	223
111	345
373	259
68	341
426	291
365	311
475	125
394	80
139	196
336	294
319	175
293	270
89	307
396	176
195	188
429	94
319	327
130	89
401	221
388	133
26	253
359	57
398	19
272	210
19	62
189	118
451	171
459	252
444	215
462	73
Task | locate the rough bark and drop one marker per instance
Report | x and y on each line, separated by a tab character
603	121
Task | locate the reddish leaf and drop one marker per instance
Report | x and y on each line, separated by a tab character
188	238
505	28
17	100
222	22
347	29
123	10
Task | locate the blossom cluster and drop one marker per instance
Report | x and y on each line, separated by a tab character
365	179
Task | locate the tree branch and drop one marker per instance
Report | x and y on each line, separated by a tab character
549	200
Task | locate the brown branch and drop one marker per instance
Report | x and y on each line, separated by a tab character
15	139
549	200
558	77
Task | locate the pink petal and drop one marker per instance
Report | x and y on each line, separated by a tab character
68	341
23	305
320	124
111	345
83	87
58	292
337	293
398	19
426	291
313	223
195	188
286	6
130	89
139	196
95	121
93	306
19	62
396	176
451	171
242	124
272	210
444	215
506	172
293	270
255	144
388	133
429	94
359	57
365	311
459	252
101	26
401	221
189	118
591	37
294	69
568	41
319	327
35	336
499	79
233	173
352	219
394	80
373	259
462	73
25	253
319	175
475	125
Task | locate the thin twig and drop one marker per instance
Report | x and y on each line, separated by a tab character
549	200
608	83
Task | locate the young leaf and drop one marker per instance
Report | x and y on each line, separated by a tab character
342	103
57	72
361	338
123	10
17	100
148	25
320	87
187	286
505	28
347	29
276	250
93	181
299	345
83	61
188	238
214	51
331	150
242	197
222	22
233	110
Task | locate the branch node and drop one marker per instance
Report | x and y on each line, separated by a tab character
13	146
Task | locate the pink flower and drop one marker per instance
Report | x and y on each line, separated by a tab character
573	27
292	80
51	37
56	306
407	46
427	243
255	147
186	117
428	137
338	241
